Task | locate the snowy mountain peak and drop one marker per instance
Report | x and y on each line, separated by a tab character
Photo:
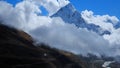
70	15
69	7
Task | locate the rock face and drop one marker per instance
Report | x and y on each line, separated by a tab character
18	51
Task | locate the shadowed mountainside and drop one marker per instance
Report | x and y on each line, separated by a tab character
18	51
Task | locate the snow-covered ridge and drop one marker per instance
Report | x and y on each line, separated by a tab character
70	15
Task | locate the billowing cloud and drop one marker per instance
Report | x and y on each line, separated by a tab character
51	6
106	22
26	15
69	37
4	14
114	38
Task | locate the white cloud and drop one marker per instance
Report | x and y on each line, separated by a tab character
106	22
68	37
114	38
29	12
25	15
4	7
54	31
51	6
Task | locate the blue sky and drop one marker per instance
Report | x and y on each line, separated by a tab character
13	1
99	7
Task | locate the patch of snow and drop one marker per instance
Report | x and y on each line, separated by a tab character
106	64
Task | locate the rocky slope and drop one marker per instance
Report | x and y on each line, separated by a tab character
18	51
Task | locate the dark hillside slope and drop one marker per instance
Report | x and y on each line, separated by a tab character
18	51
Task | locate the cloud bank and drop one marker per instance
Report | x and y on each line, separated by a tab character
106	22
26	15
69	37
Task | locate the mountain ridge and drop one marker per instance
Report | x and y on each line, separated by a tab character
70	15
